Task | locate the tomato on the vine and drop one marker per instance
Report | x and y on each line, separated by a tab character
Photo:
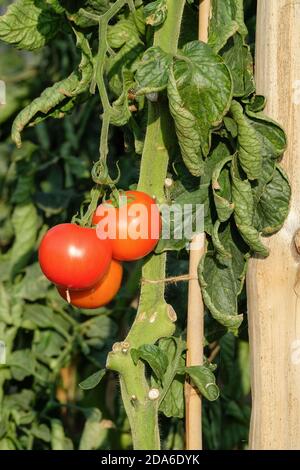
101	294
134	226
74	257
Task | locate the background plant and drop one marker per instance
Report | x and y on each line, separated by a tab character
52	347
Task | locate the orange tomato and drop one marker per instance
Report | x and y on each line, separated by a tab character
100	294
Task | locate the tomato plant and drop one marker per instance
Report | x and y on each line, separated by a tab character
100	294
136	225
74	257
181	123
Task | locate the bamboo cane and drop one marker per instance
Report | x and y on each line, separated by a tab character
273	284
195	322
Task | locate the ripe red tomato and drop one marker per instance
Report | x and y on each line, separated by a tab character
134	227
101	294
73	257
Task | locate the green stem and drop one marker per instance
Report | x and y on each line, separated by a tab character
155	319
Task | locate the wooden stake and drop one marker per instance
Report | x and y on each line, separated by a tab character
204	15
273	284
195	317
195	335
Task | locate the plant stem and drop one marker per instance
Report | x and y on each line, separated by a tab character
155	319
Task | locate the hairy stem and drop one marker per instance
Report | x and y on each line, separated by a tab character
155	319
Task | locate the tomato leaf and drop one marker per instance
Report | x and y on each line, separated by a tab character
34	285
29	25
221	186
58	439
238	58
156	12
172	395
60	98
273	205
22	364
25	224
120	113
226	19
220	290
123	37
94	433
93	380
154	356
200	92
244	211
204	379
153	71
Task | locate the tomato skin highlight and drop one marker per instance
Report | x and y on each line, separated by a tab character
101	294
73	257
124	246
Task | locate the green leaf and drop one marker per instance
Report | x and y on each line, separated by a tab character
25	224
156	12
154	356
186	129
23	400
238	58
94	432
123	36
22	364
244	211
273	205
58	439
58	99
249	145
223	254
34	285
226	20
98	330
219	290
42	432
120	113
172	396
200	92
173	403
153	71
40	315
222	189
93	380
48	343
204	379
5	315
270	134
29	24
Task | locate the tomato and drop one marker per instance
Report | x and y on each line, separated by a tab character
101	294
133	227
73	257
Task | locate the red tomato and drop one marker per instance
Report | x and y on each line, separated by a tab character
133	227
73	257
101	294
